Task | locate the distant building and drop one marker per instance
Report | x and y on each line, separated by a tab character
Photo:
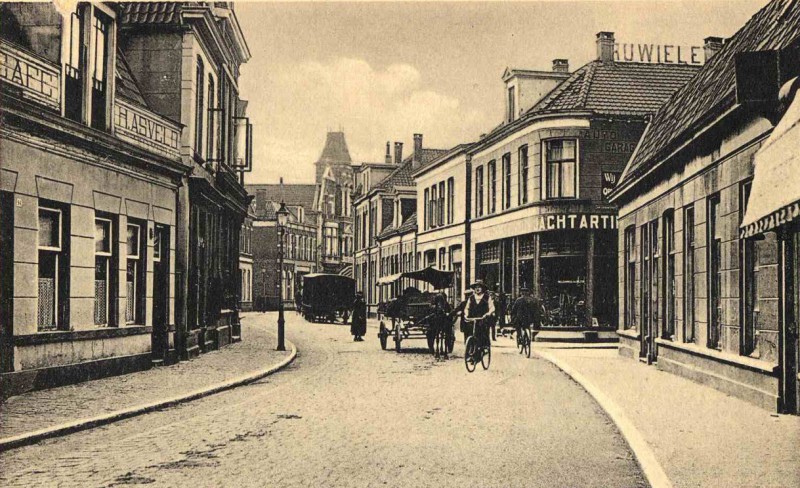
301	245
708	235
385	198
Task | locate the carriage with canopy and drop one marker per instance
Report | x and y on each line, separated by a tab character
413	314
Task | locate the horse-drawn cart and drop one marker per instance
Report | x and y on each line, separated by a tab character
414	314
327	297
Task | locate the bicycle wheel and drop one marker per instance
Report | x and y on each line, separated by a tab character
469	354
527	345
486	358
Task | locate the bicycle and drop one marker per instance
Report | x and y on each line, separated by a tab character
478	348
524	341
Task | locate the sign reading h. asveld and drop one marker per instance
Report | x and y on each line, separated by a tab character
659	53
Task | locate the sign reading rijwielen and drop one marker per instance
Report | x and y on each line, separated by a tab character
574	221
145	129
658	54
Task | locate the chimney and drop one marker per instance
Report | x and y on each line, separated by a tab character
261	199
398	153
417	150
561	66
605	46
712	45
388	158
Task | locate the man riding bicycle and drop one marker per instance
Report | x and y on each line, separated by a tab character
480	310
526	312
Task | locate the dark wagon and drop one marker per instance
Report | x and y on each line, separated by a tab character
327	297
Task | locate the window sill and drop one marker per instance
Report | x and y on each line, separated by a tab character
49	337
724	357
629	333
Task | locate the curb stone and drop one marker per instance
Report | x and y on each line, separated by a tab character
651	468
60	430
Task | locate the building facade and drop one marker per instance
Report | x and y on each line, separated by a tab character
333	207
186	58
246	262
88	199
443	201
301	247
539	218
698	296
385	198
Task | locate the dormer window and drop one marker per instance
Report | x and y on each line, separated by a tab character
98	57
512	105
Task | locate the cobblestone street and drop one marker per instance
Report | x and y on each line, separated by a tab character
349	414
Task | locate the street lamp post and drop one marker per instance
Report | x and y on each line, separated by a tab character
283	217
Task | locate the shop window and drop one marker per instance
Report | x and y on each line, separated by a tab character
53	269
198	109
105	271
506	181
561	171
492	180
450	199
440	218
689	332
630	278
669	275
135	273
563	277
522	196
714	273
479	191
442	254
650	282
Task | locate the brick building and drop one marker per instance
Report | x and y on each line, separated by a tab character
538	216
697	296
301	245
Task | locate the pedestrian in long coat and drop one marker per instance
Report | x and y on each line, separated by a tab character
358	321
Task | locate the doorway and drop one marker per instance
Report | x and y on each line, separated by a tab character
161	293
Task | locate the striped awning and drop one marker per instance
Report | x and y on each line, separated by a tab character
775	194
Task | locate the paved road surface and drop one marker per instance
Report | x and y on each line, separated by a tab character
348	414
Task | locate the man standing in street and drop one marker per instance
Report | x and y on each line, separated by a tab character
358	321
526	312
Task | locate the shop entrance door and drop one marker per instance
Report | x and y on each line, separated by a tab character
790	374
6	282
160	340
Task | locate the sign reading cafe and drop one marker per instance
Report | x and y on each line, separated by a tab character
575	221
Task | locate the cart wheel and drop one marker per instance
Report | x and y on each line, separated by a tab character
469	354
383	335
396	336
486	358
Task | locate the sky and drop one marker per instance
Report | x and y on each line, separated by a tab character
384	71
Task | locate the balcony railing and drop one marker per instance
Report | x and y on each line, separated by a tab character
145	129
37	79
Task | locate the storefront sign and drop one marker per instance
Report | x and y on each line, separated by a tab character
609	182
38	81
609	140
145	129
544	223
658	53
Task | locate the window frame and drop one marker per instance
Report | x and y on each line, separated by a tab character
451	184
506	174
560	163
479	191
629	295
491	177
524	167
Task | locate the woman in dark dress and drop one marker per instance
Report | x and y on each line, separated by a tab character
358	321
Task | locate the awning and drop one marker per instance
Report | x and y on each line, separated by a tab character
438	279
386	280
775	194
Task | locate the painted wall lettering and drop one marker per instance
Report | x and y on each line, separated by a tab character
38	80
658	53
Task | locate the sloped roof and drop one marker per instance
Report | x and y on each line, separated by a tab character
713	90
445	156
295	194
610	88
386	232
335	150
409	225
151	12
402	176
126	85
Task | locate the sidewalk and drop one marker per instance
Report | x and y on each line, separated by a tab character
74	404
699	436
